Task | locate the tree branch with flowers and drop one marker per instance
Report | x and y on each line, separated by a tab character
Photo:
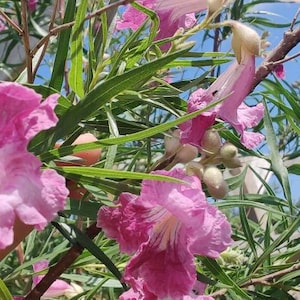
146	152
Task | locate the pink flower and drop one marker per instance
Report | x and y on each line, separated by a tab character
279	71
165	226
58	287
32	5
26	191
233	86
2	24
133	19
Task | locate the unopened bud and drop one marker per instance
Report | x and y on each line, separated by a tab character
216	185
245	40
194	168
215	6
172	142
73	291
232	163
211	142
213	177
220	192
228	151
186	154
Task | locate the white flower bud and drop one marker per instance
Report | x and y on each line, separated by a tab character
213	177
74	291
228	151
211	142
215	5
245	40
194	168
216	185
232	163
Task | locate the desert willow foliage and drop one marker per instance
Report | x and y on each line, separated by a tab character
156	213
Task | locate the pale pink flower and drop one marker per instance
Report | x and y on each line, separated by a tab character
58	287
164	227
26	191
133	19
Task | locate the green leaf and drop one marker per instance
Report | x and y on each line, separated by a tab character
277	164
217	271
87	243
83	208
294	169
109	173
75	74
4	292
99	96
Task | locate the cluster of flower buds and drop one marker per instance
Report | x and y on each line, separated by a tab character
175	152
213	153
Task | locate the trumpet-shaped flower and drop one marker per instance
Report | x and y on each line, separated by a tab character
58	287
233	86
133	19
165	226
179	8
29	193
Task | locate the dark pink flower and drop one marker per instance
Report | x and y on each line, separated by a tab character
165	226
32	5
26	191
279	71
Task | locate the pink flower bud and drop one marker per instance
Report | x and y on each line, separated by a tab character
172	142
211	142
186	154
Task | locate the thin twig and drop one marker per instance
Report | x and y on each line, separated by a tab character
11	22
59	28
278	62
26	42
64	263
51	25
294	20
263	280
289	41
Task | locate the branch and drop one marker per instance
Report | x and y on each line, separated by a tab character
26	43
290	40
263	280
11	22
59	28
64	263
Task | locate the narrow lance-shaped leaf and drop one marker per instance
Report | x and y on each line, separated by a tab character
75	74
